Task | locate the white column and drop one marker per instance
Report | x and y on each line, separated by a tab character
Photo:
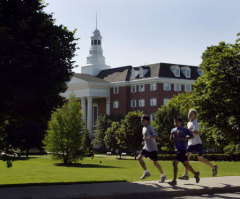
83	106
108	105
89	115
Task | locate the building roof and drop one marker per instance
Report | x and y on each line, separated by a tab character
88	78
150	71
115	74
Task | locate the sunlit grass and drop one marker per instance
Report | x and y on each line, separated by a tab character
42	169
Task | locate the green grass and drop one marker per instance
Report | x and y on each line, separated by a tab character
42	169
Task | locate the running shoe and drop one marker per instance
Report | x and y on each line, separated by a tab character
163	178
184	177
197	177
173	183
145	175
214	170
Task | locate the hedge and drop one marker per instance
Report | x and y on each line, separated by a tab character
211	157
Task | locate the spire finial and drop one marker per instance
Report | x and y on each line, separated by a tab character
96	20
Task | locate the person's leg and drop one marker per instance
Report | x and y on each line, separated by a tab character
208	163
189	167
189	154
142	163
163	176
158	167
205	161
175	169
185	175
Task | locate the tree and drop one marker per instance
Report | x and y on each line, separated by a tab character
132	128
103	123
216	93
110	138
35	63
66	133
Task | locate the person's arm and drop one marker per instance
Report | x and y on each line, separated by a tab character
153	134
150	137
188	138
172	136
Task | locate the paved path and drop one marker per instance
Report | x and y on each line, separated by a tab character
124	190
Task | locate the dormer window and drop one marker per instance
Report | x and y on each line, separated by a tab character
133	73
176	70
186	71
142	72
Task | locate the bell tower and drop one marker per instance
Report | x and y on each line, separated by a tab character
95	60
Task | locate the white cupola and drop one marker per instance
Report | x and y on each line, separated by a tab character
95	60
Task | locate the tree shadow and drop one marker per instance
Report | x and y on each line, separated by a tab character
79	165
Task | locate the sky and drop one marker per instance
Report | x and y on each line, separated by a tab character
141	32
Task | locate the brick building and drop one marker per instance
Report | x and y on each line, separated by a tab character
106	90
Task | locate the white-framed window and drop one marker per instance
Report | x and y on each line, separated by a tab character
176	70
134	89
152	116
133	73
153	86
165	100
133	103
115	104
177	87
141	103
115	90
188	88
166	86
153	102
141	88
188	73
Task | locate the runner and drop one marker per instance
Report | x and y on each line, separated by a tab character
195	144
150	148
179	135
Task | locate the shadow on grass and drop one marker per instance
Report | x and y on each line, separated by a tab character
59	183
79	165
19	158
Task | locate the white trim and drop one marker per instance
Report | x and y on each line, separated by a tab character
152	80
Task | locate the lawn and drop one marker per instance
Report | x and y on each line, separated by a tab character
42	169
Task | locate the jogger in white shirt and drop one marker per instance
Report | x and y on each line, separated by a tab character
195	144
